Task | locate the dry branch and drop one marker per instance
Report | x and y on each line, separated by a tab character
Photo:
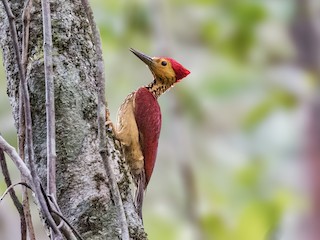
21	126
13	195
12	153
11	188
28	122
50	111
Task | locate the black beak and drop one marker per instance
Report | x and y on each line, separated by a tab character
146	59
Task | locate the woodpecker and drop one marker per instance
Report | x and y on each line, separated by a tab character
139	120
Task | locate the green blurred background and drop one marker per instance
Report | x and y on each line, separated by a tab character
228	163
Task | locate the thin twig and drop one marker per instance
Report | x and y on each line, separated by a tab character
7	148
56	206
21	127
28	121
11	188
50	111
13	195
100	81
75	232
25	34
23	169
48	72
52	203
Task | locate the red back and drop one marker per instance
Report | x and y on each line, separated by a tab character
148	118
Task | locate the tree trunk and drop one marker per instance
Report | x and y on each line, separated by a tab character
306	34
82	185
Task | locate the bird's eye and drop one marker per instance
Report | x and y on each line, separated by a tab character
164	63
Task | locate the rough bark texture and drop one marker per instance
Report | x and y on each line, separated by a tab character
82	188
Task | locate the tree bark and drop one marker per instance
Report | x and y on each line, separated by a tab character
83	192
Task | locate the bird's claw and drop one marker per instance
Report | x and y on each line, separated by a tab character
109	126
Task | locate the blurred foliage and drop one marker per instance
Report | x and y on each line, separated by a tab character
232	29
229	46
276	99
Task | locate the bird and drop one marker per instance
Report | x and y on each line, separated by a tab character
139	120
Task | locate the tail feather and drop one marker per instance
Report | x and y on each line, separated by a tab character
141	184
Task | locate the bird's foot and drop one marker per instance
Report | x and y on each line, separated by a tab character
109	126
111	130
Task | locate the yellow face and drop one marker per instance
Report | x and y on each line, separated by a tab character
161	69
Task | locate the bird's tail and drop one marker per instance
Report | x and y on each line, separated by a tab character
141	183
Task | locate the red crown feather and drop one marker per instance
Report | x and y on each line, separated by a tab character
181	71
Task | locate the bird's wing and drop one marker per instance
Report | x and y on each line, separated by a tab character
148	118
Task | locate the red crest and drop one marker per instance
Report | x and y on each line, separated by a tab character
181	71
